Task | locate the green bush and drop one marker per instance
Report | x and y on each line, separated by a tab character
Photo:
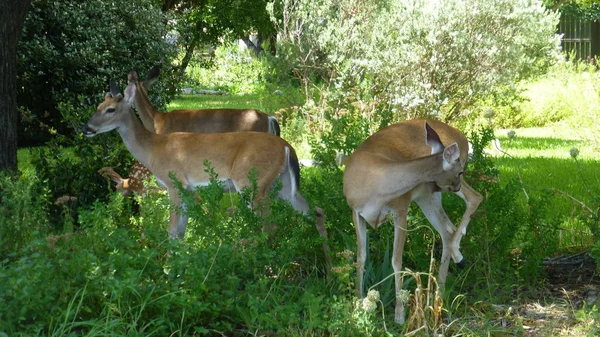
68	51
23	212
370	51
234	69
120	275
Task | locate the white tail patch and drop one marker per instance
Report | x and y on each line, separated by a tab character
274	126
293	181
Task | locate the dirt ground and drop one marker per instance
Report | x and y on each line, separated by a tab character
572	283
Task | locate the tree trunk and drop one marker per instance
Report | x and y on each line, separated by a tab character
12	17
189	52
256	48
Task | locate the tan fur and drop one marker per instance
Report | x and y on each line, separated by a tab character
394	167
196	121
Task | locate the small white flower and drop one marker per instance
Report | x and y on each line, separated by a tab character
574	152
403	295
368	305
373	295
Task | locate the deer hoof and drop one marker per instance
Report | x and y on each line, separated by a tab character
461	264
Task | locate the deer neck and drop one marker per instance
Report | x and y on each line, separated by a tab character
401	177
146	110
137	139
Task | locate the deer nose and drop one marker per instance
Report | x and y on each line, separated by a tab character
88	131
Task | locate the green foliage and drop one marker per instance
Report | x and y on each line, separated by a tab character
23	212
567	93
71	173
233	70
581	9
68	52
368	51
120	275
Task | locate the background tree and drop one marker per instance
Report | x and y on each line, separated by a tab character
12	16
209	23
70	50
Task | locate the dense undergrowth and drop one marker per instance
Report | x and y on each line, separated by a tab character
113	271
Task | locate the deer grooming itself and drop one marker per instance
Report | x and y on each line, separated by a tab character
232	156
196	121
407	162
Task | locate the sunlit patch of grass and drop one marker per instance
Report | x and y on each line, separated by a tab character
541	158
550	142
266	103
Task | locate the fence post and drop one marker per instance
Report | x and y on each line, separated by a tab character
595	39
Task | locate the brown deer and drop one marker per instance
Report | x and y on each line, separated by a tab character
407	162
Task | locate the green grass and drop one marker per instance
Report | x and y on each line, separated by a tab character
541	159
266	103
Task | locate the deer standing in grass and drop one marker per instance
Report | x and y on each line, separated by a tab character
407	162
232	156
196	121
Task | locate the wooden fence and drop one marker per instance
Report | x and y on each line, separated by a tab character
580	38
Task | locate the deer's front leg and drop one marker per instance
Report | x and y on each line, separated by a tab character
431	205
361	251
400	227
178	218
472	199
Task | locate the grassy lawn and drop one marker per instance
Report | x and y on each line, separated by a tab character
541	159
266	103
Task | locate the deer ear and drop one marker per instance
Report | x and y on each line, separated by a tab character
130	92
153	73
452	153
132	76
114	88
151	77
433	140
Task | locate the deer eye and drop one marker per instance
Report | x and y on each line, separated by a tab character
110	110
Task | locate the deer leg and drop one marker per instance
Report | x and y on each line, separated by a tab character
177	221
320	217
400	227
361	251
472	199
431	205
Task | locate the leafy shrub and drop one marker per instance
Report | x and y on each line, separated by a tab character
233	69
69	51
369	51
71	173
119	274
23	212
